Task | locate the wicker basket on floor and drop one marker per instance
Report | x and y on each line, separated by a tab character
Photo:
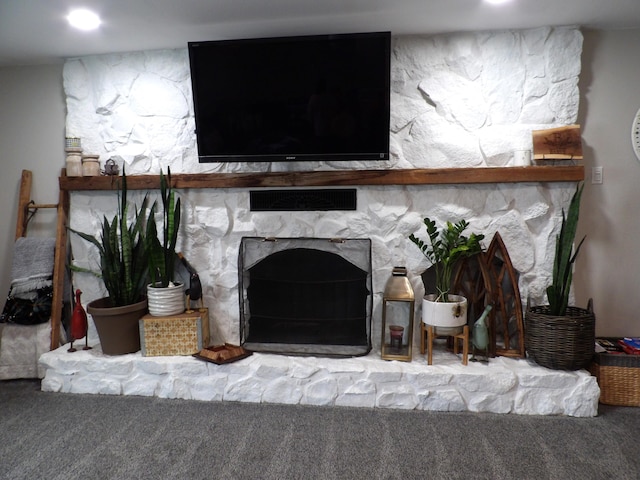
560	342
618	376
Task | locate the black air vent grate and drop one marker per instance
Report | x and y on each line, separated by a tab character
302	200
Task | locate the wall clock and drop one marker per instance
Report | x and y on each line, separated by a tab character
635	134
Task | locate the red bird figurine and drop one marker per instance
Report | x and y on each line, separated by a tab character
79	325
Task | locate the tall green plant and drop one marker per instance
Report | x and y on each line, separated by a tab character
558	291
123	263
162	256
444	249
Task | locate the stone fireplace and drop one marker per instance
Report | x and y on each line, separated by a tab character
457	100
305	296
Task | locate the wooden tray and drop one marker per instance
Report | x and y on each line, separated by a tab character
221	354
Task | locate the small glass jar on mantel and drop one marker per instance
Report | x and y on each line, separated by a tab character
398	305
73	162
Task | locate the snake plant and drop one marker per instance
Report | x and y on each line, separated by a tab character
162	256
444	249
123	263
565	256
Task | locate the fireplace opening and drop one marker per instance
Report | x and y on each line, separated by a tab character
306	296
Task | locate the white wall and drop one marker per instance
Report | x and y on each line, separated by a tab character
608	266
32	114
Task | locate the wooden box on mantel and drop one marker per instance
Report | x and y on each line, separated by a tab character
183	334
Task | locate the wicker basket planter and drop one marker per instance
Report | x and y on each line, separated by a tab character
618	376
560	343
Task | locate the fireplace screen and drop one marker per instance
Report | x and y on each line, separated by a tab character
306	296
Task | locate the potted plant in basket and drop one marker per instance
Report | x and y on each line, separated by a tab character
557	335
444	249
165	296
123	269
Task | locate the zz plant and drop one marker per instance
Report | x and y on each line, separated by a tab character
565	256
444	248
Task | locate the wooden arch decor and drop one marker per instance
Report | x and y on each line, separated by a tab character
508	324
490	279
473	281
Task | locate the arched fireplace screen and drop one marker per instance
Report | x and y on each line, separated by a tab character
306	296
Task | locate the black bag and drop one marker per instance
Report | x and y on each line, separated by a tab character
28	311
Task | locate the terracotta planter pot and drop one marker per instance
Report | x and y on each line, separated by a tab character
117	326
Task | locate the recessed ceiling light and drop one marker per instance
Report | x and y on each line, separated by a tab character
84	20
497	2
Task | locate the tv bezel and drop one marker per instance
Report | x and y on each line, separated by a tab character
293	157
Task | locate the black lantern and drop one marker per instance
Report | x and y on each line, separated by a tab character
397	317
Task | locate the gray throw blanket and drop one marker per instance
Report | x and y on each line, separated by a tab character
33	260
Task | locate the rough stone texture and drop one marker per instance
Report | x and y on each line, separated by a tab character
457	100
468	99
504	385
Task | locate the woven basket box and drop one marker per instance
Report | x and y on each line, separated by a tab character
618	376
183	334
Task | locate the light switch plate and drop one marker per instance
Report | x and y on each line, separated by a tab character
596	175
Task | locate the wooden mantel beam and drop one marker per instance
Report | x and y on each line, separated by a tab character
430	176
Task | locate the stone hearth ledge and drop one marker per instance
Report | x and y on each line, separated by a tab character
505	385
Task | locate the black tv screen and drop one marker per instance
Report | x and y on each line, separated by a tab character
320	98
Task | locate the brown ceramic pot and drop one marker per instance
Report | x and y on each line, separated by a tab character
117	326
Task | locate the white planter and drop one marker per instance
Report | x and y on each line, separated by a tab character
444	315
165	301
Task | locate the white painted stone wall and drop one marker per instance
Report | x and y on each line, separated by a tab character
467	99
505	385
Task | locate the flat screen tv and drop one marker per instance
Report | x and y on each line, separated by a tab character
319	98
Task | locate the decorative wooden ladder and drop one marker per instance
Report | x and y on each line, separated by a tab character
27	208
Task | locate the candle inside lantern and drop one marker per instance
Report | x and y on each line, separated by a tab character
396	332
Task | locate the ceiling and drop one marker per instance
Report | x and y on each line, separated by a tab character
36	31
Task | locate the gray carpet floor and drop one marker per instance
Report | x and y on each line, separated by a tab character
63	436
